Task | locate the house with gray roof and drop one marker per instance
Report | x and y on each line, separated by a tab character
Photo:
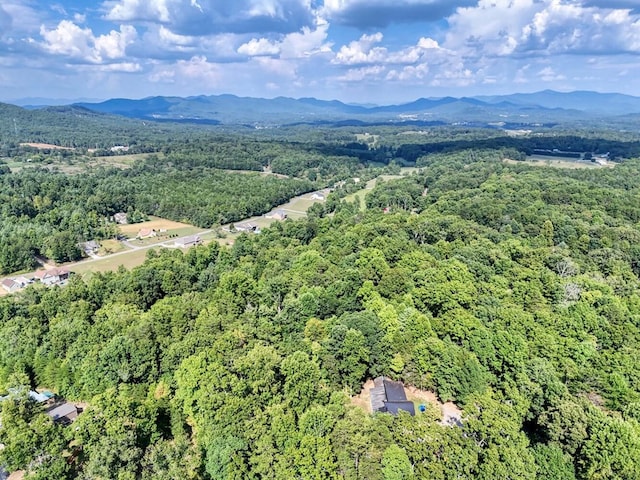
389	396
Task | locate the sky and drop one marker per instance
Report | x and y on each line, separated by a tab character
359	51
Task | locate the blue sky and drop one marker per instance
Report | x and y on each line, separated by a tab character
378	51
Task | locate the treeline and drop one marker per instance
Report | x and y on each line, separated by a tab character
508	289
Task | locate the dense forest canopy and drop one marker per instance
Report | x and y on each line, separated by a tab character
511	290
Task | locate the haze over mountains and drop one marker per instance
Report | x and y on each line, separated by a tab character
520	108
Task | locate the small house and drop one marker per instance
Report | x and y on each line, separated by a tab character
120	218
10	285
53	276
186	242
63	414
90	247
389	396
246	227
317	196
277	215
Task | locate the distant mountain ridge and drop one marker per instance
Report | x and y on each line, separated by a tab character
541	106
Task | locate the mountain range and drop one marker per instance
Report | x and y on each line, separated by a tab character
520	108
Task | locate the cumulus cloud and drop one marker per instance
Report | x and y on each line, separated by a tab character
303	44
543	27
374	72
197	69
70	40
364	51
258	47
381	13
548	74
202	17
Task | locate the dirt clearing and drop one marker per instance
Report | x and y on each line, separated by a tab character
450	413
155	223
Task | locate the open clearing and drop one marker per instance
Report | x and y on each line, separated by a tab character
128	260
449	413
44	146
557	162
108	247
157	224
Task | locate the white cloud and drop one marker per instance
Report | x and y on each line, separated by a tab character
548	74
197	70
295	45
542	27
70	40
364	51
133	10
374	72
258	47
409	73
307	42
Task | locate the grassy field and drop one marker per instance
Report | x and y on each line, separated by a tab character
108	247
128	260
558	162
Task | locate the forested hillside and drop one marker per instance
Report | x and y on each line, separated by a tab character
509	289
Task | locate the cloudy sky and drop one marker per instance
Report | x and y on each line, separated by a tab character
378	51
